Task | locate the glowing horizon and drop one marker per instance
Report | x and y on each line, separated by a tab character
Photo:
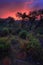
11	7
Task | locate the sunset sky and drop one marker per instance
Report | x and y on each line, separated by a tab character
11	7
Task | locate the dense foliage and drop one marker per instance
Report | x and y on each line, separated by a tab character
24	38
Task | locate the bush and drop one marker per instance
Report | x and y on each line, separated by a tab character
4	42
23	34
4	49
4	32
34	49
33	42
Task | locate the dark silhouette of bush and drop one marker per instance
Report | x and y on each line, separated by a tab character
4	32
23	34
34	50
4	49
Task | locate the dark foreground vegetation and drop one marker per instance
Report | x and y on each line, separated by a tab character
21	41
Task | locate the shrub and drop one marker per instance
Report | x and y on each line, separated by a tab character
23	34
34	49
4	49
4	42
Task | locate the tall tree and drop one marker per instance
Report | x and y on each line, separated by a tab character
23	16
33	15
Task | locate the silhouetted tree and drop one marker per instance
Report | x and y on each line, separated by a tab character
41	14
23	16
32	15
11	20
32	18
39	25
